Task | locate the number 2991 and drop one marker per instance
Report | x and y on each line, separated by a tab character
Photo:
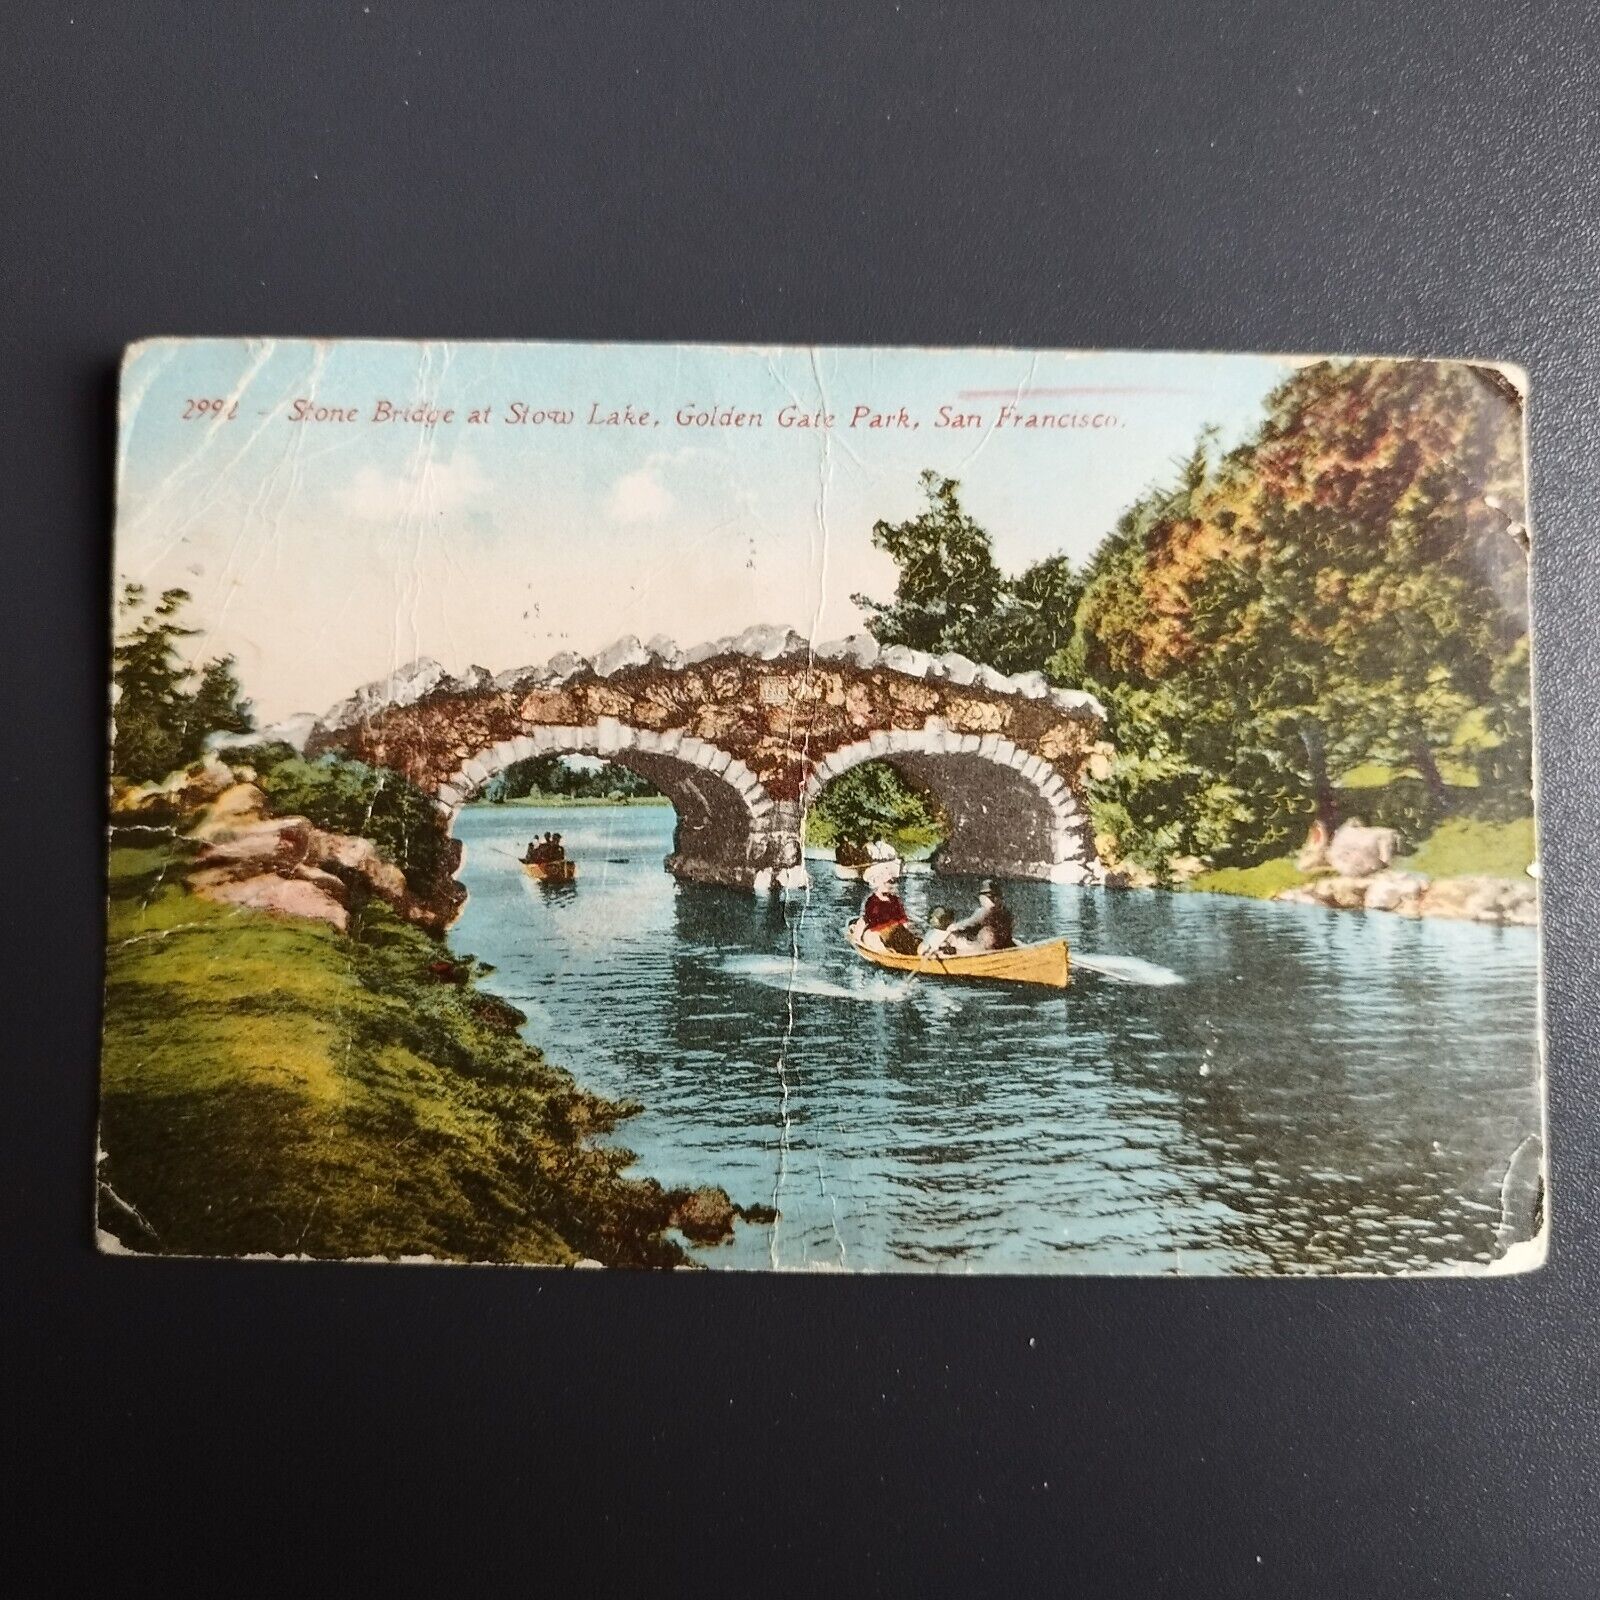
224	410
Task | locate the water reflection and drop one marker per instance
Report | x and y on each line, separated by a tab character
1320	1091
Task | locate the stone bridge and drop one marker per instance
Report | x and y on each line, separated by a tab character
742	734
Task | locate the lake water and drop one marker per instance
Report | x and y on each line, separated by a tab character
1259	1088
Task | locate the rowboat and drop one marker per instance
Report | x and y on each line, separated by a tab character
1047	965
551	871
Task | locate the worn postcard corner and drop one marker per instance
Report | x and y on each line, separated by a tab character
822	809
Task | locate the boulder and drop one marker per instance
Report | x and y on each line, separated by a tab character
1313	856
352	857
860	648
626	652
244	848
1482	900
1342	892
1356	851
1397	891
665	651
768	642
239	803
704	1215
565	664
281	897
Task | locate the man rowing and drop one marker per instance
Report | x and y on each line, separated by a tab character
988	928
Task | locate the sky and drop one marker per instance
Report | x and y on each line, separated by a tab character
326	551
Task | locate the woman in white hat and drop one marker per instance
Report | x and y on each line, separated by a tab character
884	923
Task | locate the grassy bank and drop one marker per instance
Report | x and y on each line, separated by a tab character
269	1085
1463	847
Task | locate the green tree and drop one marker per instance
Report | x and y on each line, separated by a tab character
161	722
949	590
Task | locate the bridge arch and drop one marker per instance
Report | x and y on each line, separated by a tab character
729	828
1012	814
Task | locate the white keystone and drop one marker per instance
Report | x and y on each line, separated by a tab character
475	772
878	742
523	747
1035	767
1003	751
450	796
720	762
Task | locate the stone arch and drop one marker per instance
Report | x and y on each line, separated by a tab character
729	828
1012	813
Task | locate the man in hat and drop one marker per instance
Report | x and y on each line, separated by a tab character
989	927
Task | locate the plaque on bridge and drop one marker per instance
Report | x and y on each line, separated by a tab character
822	809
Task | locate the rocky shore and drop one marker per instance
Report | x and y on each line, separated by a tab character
1354	872
244	856
1410	894
296	1065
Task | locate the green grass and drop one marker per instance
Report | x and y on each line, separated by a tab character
1464	847
1260	882
269	1085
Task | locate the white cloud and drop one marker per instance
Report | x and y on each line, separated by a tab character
639	496
430	488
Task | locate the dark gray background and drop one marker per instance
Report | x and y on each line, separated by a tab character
1351	175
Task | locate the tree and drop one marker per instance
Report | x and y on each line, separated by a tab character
949	590
161	723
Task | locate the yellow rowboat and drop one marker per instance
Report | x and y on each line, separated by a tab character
1046	965
551	871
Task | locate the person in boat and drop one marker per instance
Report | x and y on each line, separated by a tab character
558	851
884	924
540	854
851	852
936	940
988	928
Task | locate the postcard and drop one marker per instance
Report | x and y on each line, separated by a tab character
868	810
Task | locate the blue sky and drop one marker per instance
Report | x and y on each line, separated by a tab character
323	554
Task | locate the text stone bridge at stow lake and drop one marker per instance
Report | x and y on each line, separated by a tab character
742	734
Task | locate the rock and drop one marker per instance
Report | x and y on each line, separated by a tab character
476	677
767	642
1313	856
1343	892
902	658
706	650
626	652
358	858
860	648
1185	867
240	849
1078	701
565	664
957	668
282	897
1482	900
1357	852
330	885
664	651
403	687
515	678
1033	685
1396	891
238	803
704	1215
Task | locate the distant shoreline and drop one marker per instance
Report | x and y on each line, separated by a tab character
558	802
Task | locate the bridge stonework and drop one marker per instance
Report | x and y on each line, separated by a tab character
742	735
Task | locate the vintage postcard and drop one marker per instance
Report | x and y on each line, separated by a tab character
973	811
